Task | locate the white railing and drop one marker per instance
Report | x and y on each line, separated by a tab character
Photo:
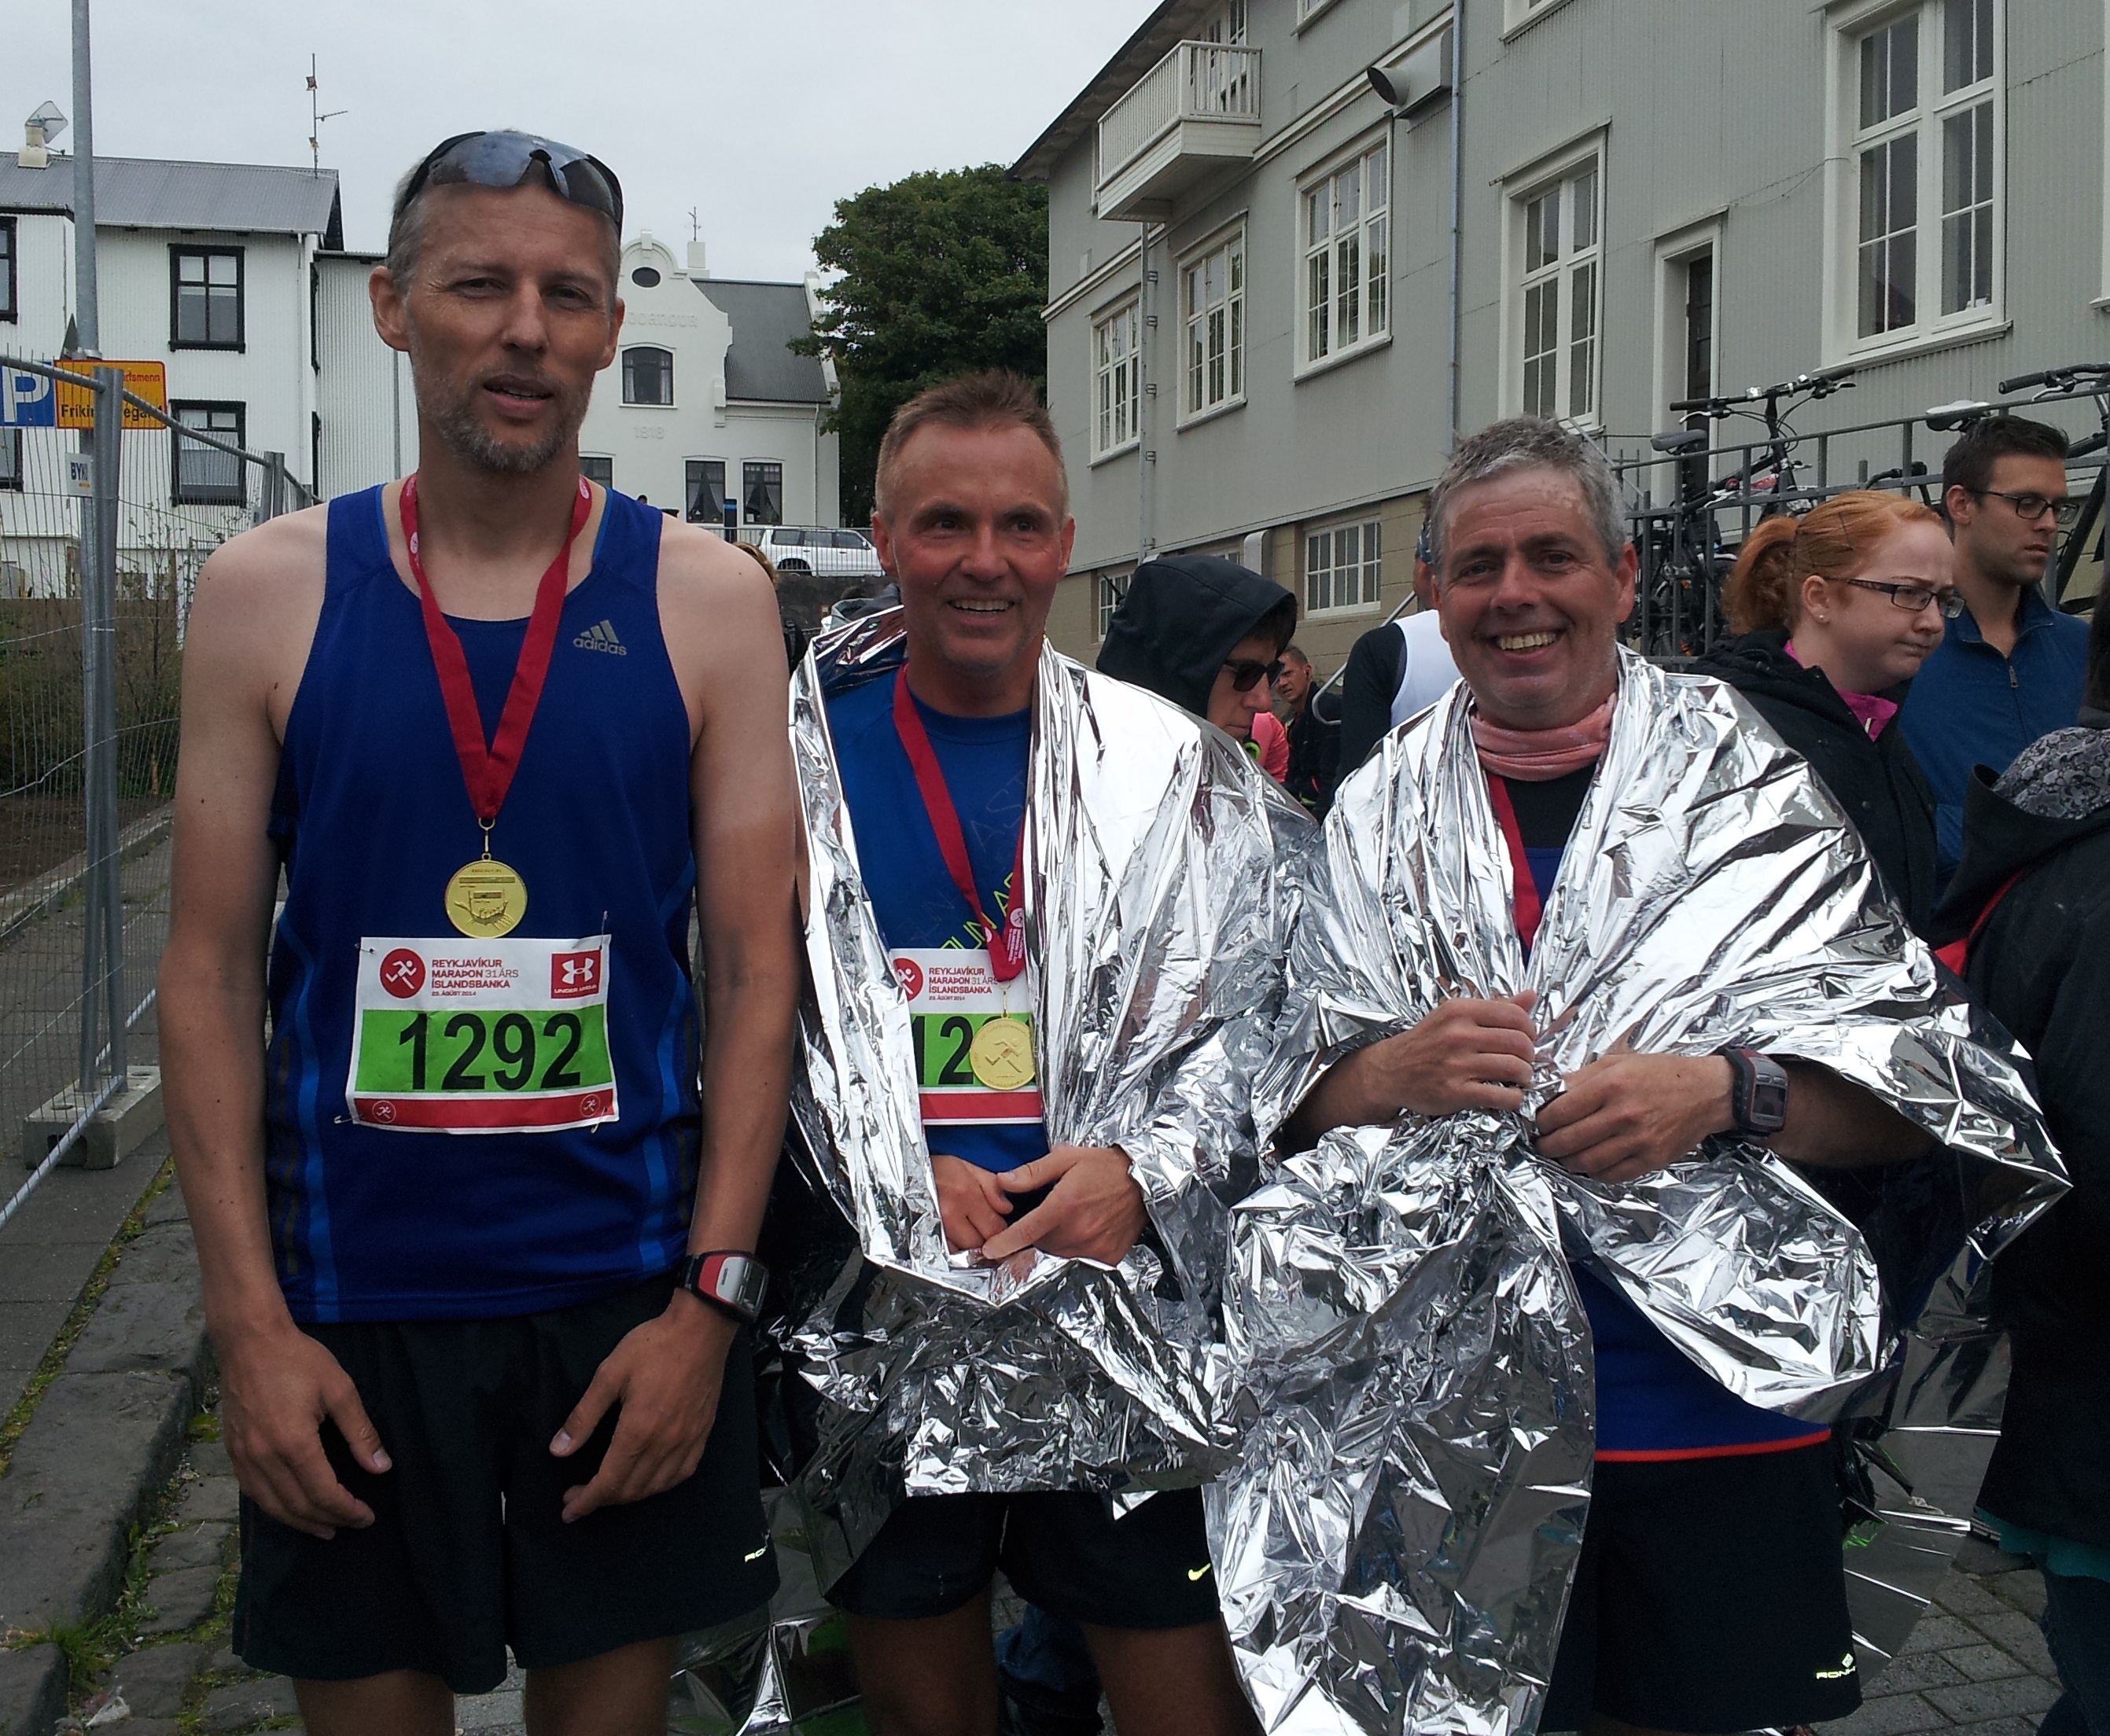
1197	81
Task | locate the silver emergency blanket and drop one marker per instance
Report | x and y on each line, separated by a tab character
1395	1543
1161	877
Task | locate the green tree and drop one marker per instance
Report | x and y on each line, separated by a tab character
943	273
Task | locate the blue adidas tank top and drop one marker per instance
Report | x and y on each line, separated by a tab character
371	818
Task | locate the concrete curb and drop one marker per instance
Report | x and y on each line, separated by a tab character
105	1438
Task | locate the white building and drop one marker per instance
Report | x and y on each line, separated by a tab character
705	396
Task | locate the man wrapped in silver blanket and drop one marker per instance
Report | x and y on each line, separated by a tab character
1628	1142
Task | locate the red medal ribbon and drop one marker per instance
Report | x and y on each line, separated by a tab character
488	770
1525	909
1006	939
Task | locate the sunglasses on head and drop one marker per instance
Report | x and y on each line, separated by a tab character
1245	672
505	160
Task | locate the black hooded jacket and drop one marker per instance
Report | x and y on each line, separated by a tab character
1878	783
2041	966
1182	617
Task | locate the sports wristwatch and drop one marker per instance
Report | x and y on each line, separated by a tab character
1758	1092
732	1281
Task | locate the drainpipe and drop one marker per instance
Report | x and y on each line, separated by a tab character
1145	457
1457	206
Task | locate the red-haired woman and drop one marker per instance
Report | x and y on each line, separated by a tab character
1836	611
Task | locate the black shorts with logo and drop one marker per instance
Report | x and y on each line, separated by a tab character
1711	1595
1063	1552
468	1553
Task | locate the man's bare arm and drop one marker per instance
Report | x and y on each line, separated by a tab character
250	626
722	633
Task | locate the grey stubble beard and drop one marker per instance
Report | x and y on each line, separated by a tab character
454	419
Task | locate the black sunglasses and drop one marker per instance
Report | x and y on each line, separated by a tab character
512	159
1245	673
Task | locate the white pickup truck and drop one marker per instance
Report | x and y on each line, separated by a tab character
825	552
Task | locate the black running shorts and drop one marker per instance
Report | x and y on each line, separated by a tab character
467	1554
1149	1570
1711	1595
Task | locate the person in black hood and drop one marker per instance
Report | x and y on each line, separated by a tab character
1837	610
1205	633
2030	907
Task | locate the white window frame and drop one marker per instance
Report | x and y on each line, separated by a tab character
1516	14
1673	253
1926	122
1526	284
1213	328
628	377
1116	405
1367	530
1320	199
1109	590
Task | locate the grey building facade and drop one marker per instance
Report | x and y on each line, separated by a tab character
1273	293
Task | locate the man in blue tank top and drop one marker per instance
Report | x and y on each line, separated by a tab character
973	522
476	1237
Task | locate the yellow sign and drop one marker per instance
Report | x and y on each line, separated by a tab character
147	380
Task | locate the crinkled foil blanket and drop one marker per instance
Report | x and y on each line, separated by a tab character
1414	1389
1375	1348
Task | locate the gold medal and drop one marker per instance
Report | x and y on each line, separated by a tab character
486	899
1002	1054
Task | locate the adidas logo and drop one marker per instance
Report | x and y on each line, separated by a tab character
601	637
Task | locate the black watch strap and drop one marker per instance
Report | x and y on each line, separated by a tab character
730	1279
1758	1092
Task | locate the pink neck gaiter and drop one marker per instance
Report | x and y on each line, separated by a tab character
1536	756
1872	709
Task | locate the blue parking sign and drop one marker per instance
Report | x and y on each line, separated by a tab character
27	400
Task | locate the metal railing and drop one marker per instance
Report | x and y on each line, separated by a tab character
1196	81
95	578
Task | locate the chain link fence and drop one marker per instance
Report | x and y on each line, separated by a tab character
90	665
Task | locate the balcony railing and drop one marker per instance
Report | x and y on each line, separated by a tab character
1211	88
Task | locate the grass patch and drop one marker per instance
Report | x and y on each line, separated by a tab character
76	1322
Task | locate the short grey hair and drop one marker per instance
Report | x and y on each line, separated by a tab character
1532	443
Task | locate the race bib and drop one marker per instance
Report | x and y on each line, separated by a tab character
460	1036
974	1037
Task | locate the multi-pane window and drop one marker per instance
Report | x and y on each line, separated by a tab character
600	470
1563	269
1212	299
1112	588
1925	137
1116	379
704	486
1343	566
205	475
762	491
1347	257
11	462
204	298
648	375
7	267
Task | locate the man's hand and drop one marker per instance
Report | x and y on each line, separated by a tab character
973	1206
665	1374
276	1388
1093	1210
1625	1115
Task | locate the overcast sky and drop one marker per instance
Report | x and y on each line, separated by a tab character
759	115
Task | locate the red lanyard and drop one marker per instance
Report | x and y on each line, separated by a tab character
1526	909
1009	959
488	771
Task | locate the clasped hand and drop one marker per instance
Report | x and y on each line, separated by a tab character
1621	1116
1093	1209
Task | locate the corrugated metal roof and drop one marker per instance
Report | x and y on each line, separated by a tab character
145	193
765	317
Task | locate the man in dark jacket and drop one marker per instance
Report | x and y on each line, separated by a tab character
1314	725
1877	781
2032	896
1203	632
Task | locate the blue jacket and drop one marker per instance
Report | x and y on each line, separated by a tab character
1970	706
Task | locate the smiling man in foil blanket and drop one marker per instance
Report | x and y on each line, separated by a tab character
1628	1139
1046	935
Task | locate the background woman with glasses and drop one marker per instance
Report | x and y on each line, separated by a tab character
1837	611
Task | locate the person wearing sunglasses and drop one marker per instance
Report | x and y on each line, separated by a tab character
2010	667
476	1246
1205	633
1837	611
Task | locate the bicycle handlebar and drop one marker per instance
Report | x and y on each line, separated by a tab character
1821	384
2064	378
